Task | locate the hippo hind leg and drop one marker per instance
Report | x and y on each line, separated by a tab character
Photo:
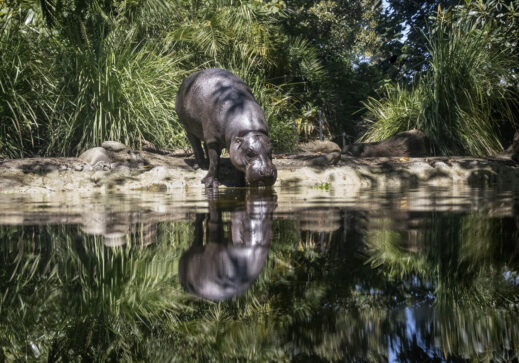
200	161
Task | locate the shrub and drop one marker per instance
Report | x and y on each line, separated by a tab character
74	74
460	101
125	93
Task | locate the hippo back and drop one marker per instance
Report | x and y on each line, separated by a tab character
215	105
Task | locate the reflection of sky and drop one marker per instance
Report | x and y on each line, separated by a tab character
417	319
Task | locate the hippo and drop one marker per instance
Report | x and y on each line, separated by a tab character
232	258
217	107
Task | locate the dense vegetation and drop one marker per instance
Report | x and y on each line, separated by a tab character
75	73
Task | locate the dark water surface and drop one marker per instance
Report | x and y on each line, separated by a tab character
251	275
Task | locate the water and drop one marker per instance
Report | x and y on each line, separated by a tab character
313	274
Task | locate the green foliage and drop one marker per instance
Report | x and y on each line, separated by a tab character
345	37
466	262
126	93
76	73
457	252
397	110
71	297
415	20
499	19
458	103
246	38
112	69
25	83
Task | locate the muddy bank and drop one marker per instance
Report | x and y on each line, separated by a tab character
128	170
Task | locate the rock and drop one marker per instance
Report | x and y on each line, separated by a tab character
409	143
115	239
95	155
515	147
101	165
325	159
320	220
113	146
320	147
148	146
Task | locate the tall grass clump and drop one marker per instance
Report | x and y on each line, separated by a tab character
117	84
125	93
277	102
25	83
75	76
246	38
458	103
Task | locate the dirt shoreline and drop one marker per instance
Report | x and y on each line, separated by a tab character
129	170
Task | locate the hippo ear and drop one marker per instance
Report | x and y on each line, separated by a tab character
237	140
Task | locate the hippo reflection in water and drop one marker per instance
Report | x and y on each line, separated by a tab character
228	263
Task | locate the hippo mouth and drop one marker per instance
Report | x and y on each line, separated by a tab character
261	179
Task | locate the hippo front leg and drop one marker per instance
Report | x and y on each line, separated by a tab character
211	179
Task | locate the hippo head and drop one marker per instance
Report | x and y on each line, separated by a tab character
252	154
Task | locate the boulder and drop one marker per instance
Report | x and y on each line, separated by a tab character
148	146
115	146
325	159
317	146
320	220
515	147
115	239
95	155
411	143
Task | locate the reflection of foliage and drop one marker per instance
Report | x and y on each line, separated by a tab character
465	262
457	253
65	295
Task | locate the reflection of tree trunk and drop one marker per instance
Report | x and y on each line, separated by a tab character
345	218
148	233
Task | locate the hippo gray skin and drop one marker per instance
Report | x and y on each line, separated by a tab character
228	263
217	107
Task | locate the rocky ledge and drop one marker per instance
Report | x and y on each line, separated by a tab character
114	167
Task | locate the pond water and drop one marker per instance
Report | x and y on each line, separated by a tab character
313	274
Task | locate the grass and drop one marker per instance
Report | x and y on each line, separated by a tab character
113	71
125	93
458	104
25	99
